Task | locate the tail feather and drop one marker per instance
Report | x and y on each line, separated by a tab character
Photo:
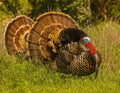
48	26
12	29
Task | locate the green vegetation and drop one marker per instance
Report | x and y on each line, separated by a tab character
20	76
83	11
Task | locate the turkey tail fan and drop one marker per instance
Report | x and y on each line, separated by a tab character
44	34
14	34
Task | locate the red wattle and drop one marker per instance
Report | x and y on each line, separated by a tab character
91	47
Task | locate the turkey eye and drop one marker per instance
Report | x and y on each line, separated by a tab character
86	39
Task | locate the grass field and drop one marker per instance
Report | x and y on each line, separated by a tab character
20	76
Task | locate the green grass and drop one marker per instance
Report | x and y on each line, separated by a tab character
20	76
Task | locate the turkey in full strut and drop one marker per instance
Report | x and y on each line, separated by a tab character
54	37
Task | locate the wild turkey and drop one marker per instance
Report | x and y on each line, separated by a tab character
54	37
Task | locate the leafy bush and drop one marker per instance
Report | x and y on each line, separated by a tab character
15	7
105	9
83	11
78	9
